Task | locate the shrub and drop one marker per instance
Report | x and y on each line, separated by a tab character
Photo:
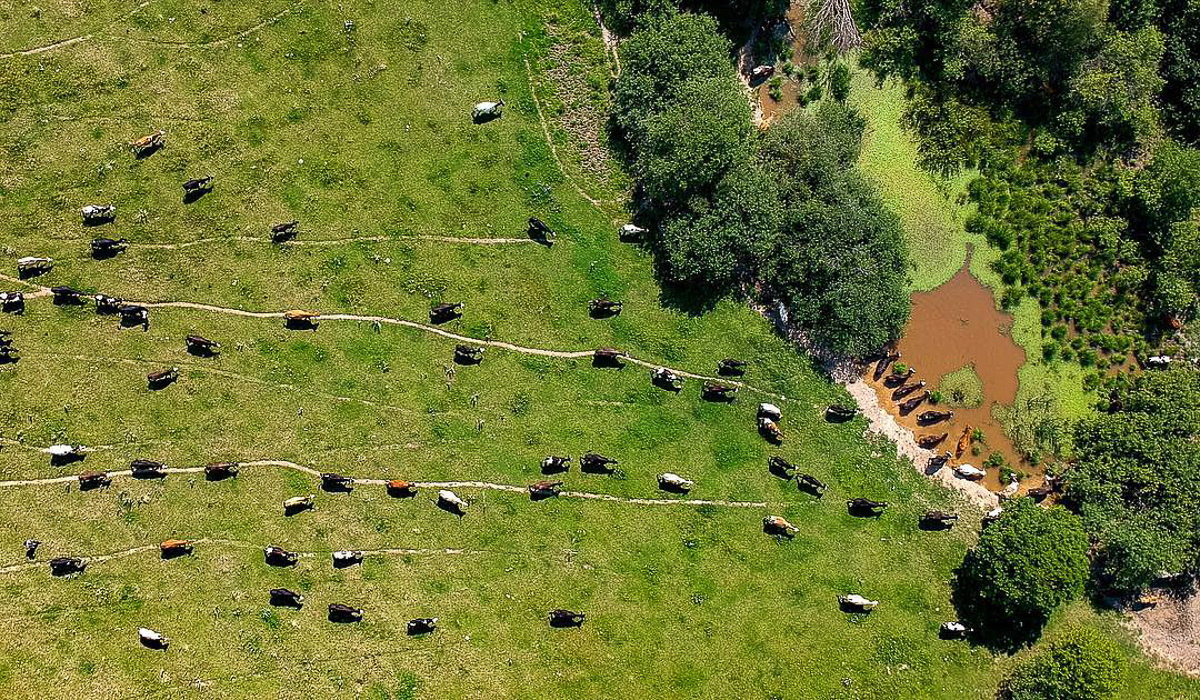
839	82
1080	665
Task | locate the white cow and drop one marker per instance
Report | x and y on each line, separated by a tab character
347	556
769	410
30	264
857	601
450	498
675	481
632	231
97	212
299	502
1010	490
65	450
153	639
967	471
487	110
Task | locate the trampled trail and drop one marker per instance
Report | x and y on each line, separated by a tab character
73	40
331	241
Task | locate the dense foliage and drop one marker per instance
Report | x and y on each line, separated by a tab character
1082	664
1025	565
787	212
1137	479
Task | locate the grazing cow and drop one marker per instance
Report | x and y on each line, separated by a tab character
597	463
865	506
98	214
198	186
152	639
449	500
856	603
838	414
295	504
566	618
93	480
631	232
336	482
668	481
66	296
346	557
33	266
666	379
938	520
175	548
149	143
285	231
953	630
884	362
298	319
604	308
445	312
220	470
147	469
65	566
544	489
400	488
930	417
769	410
713	391
776	525
422	625
553	464
107	305
486	111
284	597
729	367
770	430
911	404
967	471
1040	493
608	357
810	483
12	302
895	380
8	354
1159	361
103	248
65	451
780	467
31	547
134	315
931	441
344	613
761	73
277	556
203	347
964	441
539	230
907	389
468	354
992	516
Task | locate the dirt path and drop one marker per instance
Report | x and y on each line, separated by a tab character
332	241
73	40
1170	631
610	42
215	42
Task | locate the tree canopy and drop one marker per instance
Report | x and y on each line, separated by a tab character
1081	664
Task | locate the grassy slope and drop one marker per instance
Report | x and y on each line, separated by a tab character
689	602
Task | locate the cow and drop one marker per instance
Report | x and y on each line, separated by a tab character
336	482
730	367
134	315
277	556
938	520
780	467
66	296
450	501
866	507
953	630
399	488
596	463
608	357
770	430
931	417
197	187
1040	493
445	312
295	504
966	471
285	231
65	566
202	347
669	481
12	302
1159	361
9	354
839	414
776	525
713	391
31	547
484	112
106	305
148	144
284	597
175	548
911	404
566	618
761	73
907	389
538	230
856	603
884	362
810	483
938	461
468	354
894	379
346	557
421	625
1011	489
666	379
220	470
95	214
540	490
931	441
770	410
152	639
104	248
30	266
631	232
93	480
554	464
298	319
147	469
604	308
964	441
344	613
992	516
66	454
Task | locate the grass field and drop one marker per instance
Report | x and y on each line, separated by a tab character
365	132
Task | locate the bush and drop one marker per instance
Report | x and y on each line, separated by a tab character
839	82
1080	665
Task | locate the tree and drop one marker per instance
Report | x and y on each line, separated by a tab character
1180	23
1026	564
839	82
1080	665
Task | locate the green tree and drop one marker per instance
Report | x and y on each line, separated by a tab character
1079	665
839	82
1026	564
1112	98
1180	24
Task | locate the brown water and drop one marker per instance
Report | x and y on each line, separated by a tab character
772	110
954	326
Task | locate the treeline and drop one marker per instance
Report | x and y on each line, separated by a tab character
731	209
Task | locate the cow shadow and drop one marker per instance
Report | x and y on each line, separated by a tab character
832	416
195	195
933	525
401	493
674	488
218	476
467	360
98	221
604	313
280	562
300	324
450	508
536	496
810	489
127	323
29	274
565	623
93	486
859	511
328	487
64	460
603	362
168	554
666	385
346	563
156	644
778	533
484	118
852	608
148	475
64	570
65	300
106	254
540	238
160	384
282	601
606	469
779	471
8	359
197	351
145	153
291	511
556	469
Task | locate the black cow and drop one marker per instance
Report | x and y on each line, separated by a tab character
866	507
107	305
445	312
603	308
566	618
538	230
162	378
283	597
713	391
285	231
597	463
64	296
197	188
930	417
895	380
422	625
65	566
608	357
277	556
103	248
147	469
134	315
9	354
202	347
468	354
94	480
12	302
938	520
220	470
882	365
336	482
664	378
554	465
839	414
344	613
907	389
911	404
809	483
931	441
780	467
31	547
729	367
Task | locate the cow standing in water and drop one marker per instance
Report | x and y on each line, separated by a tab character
931	417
